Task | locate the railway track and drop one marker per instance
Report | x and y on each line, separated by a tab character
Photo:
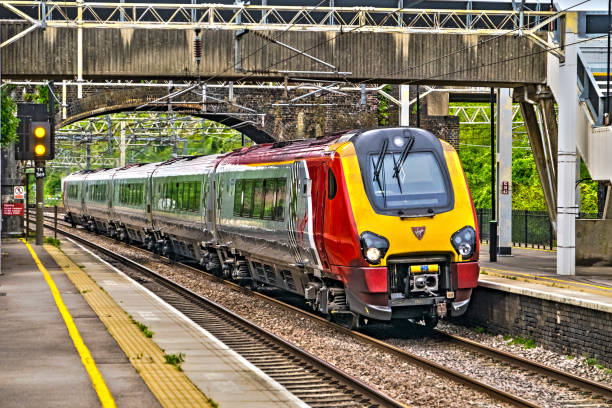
593	390
314	381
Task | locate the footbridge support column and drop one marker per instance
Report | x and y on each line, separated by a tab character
404	105
543	138
504	184
566	202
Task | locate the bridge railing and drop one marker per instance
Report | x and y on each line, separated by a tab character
591	93
259	17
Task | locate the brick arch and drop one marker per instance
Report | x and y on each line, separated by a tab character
130	99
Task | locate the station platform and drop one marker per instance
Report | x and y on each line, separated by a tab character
68	337
532	272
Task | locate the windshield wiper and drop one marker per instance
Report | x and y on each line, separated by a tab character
378	167
397	166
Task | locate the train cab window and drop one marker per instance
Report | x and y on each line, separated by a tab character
332	186
269	198
258	198
247	202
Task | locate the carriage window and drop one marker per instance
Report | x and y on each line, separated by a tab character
139	194
197	194
247	202
258	199
279	209
189	191
238	197
179	196
269	198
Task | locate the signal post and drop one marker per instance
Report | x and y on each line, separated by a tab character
36	142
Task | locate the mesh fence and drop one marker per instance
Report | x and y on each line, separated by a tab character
529	228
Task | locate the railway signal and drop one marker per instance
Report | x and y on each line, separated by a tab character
36	142
36	135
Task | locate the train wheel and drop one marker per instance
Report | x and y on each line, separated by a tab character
349	320
431	321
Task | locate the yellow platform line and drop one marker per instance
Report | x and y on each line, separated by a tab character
171	387
106	399
548	281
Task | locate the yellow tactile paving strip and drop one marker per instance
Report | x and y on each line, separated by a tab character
549	281
106	399
171	387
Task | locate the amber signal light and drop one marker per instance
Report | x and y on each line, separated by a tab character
40	150
40	132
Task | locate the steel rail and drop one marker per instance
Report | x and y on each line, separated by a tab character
439	369
584	383
359	386
550	372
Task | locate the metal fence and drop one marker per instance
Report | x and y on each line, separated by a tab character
529	228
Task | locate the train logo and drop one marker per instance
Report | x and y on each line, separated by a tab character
418	232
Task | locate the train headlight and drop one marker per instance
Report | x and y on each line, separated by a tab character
373	247
464	242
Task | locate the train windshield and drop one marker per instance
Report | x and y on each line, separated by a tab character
415	181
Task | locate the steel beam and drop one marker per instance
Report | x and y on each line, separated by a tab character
274	18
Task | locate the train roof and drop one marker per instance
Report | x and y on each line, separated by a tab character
135	171
187	165
280	151
101	174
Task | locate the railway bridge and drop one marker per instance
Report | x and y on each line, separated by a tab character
65	40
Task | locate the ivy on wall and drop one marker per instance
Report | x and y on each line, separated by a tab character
8	118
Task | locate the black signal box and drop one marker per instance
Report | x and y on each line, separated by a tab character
36	133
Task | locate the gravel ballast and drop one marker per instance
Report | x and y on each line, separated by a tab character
401	380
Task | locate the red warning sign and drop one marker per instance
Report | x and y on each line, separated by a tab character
12	209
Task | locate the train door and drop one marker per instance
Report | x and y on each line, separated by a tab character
300	225
318	174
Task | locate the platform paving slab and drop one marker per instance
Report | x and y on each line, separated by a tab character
39	365
243	385
532	272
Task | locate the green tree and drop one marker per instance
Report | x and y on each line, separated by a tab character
383	107
8	116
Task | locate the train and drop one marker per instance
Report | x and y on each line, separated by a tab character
365	225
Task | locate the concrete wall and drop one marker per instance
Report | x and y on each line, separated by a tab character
564	328
594	242
383	57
